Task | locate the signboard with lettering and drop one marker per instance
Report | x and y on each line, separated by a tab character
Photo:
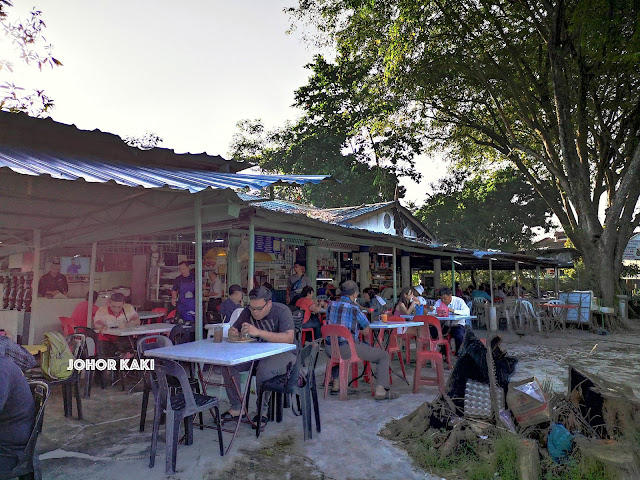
268	244
632	252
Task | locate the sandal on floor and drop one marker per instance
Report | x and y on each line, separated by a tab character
388	395
263	422
334	392
228	417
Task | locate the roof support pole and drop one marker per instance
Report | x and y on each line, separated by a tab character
365	271
437	270
37	244
557	282
92	283
453	275
405	268
198	255
395	277
491	281
517	279
538	279
252	246
493	317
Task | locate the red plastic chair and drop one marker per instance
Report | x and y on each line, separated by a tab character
422	357
304	335
161	310
171	314
333	332
427	341
394	346
67	326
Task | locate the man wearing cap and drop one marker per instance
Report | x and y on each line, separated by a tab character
297	282
230	304
53	282
346	312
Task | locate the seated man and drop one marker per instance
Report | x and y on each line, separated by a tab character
79	314
456	306
17	413
230	304
346	312
115	315
480	293
267	321
311	308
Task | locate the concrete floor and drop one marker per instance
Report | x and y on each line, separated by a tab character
107	444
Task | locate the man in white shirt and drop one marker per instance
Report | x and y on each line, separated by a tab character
456	306
114	316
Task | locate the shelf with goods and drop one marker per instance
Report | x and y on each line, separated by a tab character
275	273
328	269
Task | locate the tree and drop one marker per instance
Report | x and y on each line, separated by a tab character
496	210
343	132
147	141
550	86
26	41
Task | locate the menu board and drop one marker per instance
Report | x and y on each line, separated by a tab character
267	244
632	252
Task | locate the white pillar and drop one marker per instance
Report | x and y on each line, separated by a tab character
538	280
517	280
365	260
491	281
437	268
557	282
197	211
405	266
234	270
92	283
312	265
36	264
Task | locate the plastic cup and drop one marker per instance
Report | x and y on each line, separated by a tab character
383	318
218	331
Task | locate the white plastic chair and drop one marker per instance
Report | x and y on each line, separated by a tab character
479	309
530	314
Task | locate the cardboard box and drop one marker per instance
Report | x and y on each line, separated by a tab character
528	402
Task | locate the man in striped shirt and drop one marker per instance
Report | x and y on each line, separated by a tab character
346	312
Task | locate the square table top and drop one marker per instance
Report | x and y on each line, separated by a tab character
144	314
383	325
151	329
225	353
451	318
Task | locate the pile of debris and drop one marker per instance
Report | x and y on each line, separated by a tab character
596	423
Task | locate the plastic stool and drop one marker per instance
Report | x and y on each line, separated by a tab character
422	357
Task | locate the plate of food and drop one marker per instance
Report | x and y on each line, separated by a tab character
241	340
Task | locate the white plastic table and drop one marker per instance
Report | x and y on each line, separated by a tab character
451	318
401	327
152	329
226	354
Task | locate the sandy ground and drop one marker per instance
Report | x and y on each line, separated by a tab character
108	445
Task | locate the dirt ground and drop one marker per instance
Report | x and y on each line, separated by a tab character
107	444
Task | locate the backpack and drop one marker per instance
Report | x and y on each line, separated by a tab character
55	361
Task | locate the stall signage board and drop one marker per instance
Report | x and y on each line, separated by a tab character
632	252
266	244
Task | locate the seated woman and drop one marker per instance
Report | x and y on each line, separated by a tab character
311	308
407	303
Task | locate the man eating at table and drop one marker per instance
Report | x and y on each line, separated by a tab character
115	315
267	321
456	306
346	312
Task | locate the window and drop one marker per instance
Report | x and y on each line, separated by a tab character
387	220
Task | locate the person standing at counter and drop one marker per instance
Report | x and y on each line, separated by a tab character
183	293
53	282
215	290
297	282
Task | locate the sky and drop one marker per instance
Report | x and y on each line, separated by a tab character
187	71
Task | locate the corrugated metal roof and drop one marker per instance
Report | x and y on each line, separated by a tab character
344	214
35	162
